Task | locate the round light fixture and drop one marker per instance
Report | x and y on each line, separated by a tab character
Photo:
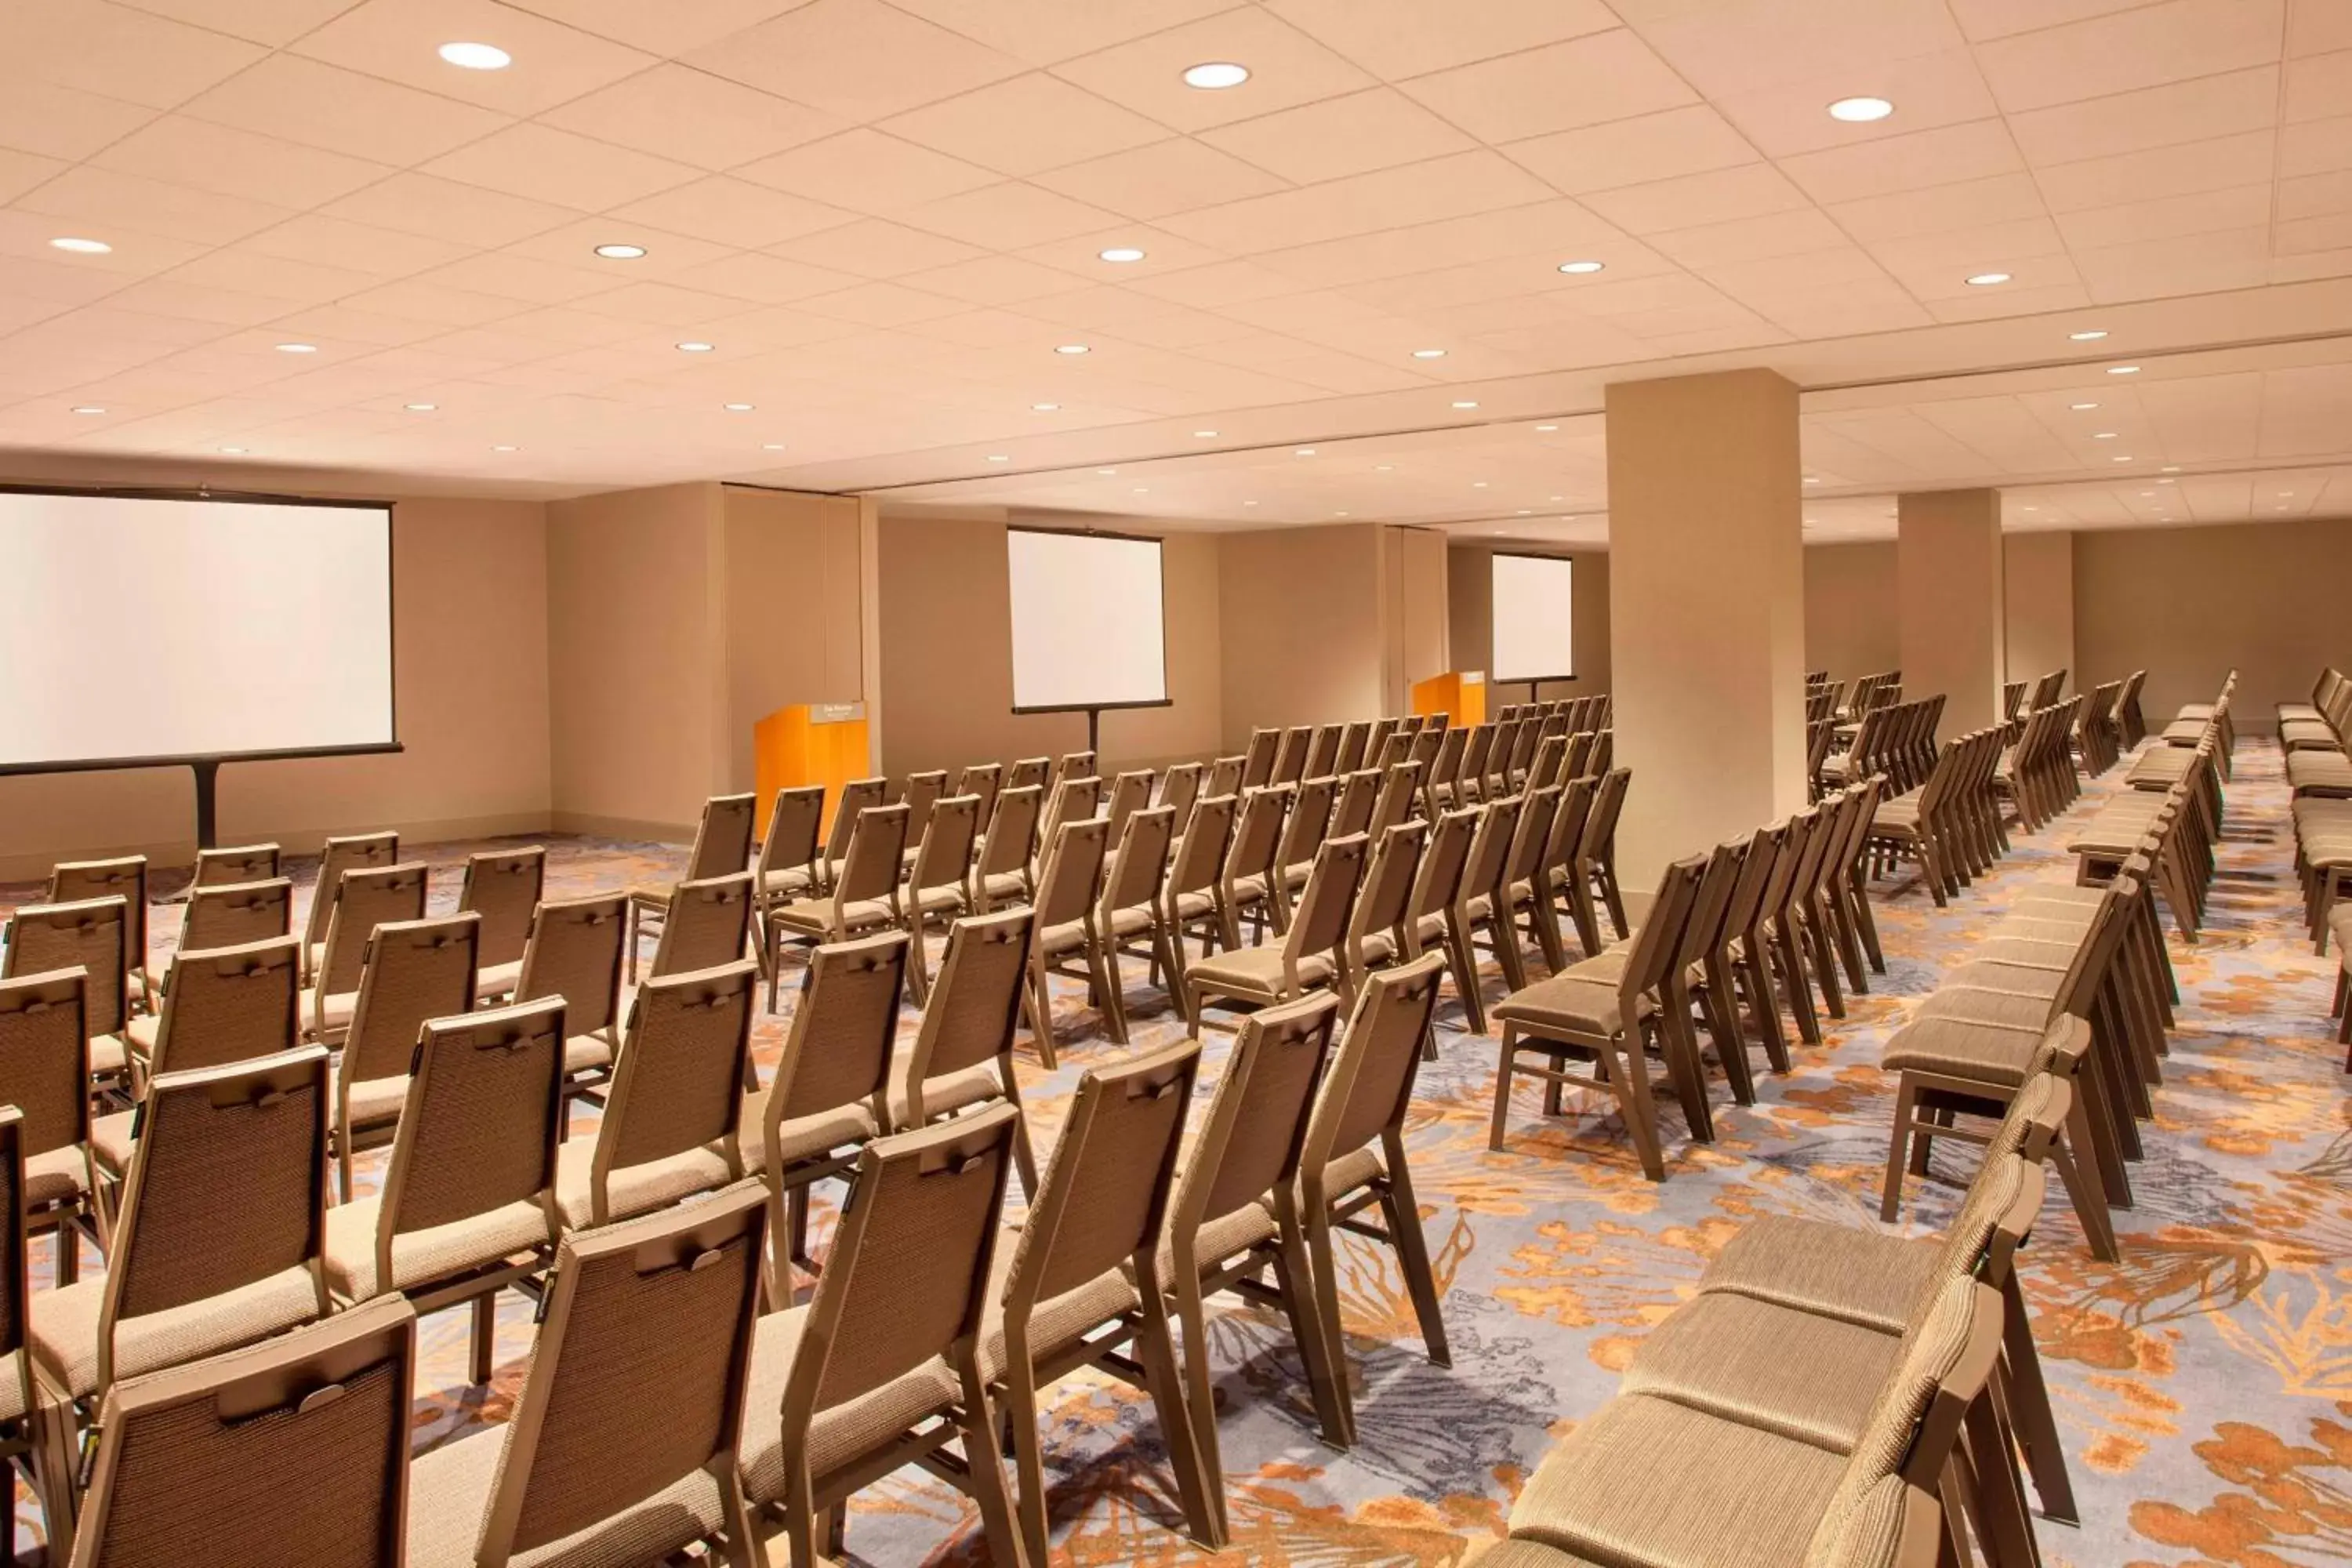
90	408
2102	435
1045	407
772	445
1429	353
2122	459
2079	407
694	348
1106	472
1249	503
1465	403
1215	76
298	348
1547	428
1860	111
738	408
1578	268
2091	336
81	247
2122	370
1121	253
1204	435
1302	451
476	56
620	252
233	451
506	449
420	408
1071	349
1985	280
998	457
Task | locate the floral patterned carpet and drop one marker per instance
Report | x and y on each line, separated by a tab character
2204	1384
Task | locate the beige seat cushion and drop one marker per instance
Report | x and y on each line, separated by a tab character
1651	1481
142	1030
108	1056
836	1435
1058	1322
1999	1008
587	1053
1565	1004
59	1175
1220	1238
1255	972
111	1141
1528	1554
426	1256
634	1189
340	1005
1801	1376
790	882
803	1137
1862	1277
376	1101
1951	1048
1056	939
2339	926
942	1092
498	980
813	917
449	1491
1357	1168
2010	979
12	1387
66	1322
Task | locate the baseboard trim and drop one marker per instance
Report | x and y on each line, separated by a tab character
175	853
637	829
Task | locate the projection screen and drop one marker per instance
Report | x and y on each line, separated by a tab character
143	629
1534	626
1088	623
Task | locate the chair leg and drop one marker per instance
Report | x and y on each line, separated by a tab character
1890	1201
986	1474
1295	1278
1465	960
1504	933
486	1334
1413	1252
2030	1409
1201	1396
1102	957
1503	1087
1020	1401
1041	1009
1322	1260
1155	1347
1627	1070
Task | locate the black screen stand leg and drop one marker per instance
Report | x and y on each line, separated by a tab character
207	801
1094	734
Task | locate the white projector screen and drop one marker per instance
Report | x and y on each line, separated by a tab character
1088	624
152	629
1534	629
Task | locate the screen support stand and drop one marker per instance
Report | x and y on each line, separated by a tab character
1094	735
1531	690
207	772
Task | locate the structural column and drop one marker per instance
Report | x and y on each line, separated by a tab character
1949	593
1706	611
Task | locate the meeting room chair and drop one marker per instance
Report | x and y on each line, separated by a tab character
1028	772
1129	911
863	896
364	899
1313	953
412	971
1257	758
30	1441
858	796
575	953
1066	890
721	847
503	887
961	1053
1005	873
231	914
1189	897
1244	885
45	1075
341	854
220	868
42	938
939	881
77	882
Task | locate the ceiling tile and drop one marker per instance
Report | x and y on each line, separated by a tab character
414	300
2315	147
1220	283
2315	195
1007	216
324	106
873	248
1974	149
399	39
1287	69
1984	20
866	171
101	200
1175	176
674	112
1607	76
62	122
1634	152
994	280
2317	85
2210	165
234	162
2162	265
1400	38
768	279
729	212
2186	112
511	275
858	60
1946	257
540	161
199	302
1363	203
1535	238
882	305
2318	29
244	269
1720	195
666	305
1730	47
1043	32
1025	125
1793	117
20	172
660	29
119	52
2004	198
272	22
1751	238
2172	217
444	210
2152	45
1341	136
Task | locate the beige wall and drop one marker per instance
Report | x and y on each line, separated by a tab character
2040	569
2189	604
946	655
1470	594
794	630
471	630
1948	566
1302	636
1851	614
1414	640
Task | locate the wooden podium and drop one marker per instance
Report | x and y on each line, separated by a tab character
1460	692
812	744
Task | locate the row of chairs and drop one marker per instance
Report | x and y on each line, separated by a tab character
2036	773
2316	737
1833	1397
1951	825
1896	740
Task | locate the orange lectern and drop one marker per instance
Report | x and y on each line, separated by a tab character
812	744
1460	692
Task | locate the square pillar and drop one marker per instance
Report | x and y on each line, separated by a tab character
1706	611
1949	591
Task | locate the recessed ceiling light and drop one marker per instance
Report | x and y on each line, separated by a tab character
2090	335
1045	407
1524	512
1384	467
1215	76
1579	268
1249	503
1547	428
82	247
2079	407
694	347
1811	479
2102	435
737	408
2122	370
1860	111
2033	509
233	451
90	408
772	445
1465	403
1121	253
1302	452
298	348
2283	493
476	56
620	252
2147	492
2167	481
1143	490
1204	435
1071	349
1429	353
1338	514
506	449
2122	460
1106	472
2169	468
1478	484
420	408
1555	498
998	457
1985	280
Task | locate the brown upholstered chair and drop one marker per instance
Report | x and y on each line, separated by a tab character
236	863
45	1074
125	877
721	847
364	899
1313	953
413	971
341	854
89	935
1066	910
863	895
503	887
962	1054
222	1006
230	914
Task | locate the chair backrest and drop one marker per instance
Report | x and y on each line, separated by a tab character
1490	848
1011	830
1399	796
1257	1125
1369	1088
1028	771
1321	922
678	1078
1601	823
414	970
1129	793
1659	939
86	935
1322	752
907	1277
1426	744
1180	787
1376	743
1439	879
877	852
479	1128
1203	853
1359	793
230	914
1354	750
1446	768
858	796
503	887
1703	927
1257	758
364	899
709	921
1073	800
288	1454
838	1052
1257	835
1224	776
1072	874
722	839
983	780
1476	754
44	1060
575	950
1309	819
230	1005
1104	1196
975	1004
1544	766
1141	863
226	1188
792	823
346	853
1531	837
73	881
618	1407
238	863
951	835
1384	901
1745	906
922	792
1568	820
1072	765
